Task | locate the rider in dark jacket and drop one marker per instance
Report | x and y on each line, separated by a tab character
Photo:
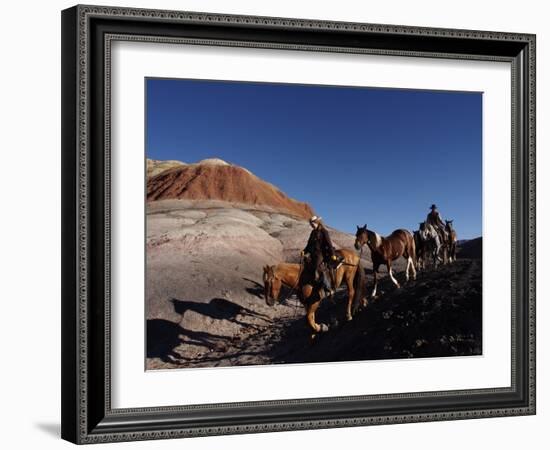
434	219
320	250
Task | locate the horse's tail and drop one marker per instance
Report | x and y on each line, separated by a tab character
359	287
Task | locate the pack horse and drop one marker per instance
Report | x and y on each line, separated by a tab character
384	250
453	240
429	248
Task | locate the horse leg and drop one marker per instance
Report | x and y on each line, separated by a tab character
311	309
411	259
411	263
351	293
341	272
436	256
390	271
375	274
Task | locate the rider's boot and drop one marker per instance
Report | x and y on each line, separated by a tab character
327	285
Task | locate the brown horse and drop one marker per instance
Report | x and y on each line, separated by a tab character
293	277
452	240
420	251
275	277
384	250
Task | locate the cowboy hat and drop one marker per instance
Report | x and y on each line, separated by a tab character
314	219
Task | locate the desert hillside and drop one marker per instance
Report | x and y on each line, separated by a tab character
470	249
214	179
211	228
154	167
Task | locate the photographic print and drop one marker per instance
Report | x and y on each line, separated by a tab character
291	223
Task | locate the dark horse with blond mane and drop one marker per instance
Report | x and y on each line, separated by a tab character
384	250
310	294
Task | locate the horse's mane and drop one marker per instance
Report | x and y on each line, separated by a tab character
377	238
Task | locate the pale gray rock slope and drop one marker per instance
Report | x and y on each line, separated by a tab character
205	262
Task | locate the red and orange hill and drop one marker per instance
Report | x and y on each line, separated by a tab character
214	179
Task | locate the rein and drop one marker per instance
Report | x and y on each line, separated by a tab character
299	275
360	255
296	284
348	264
293	288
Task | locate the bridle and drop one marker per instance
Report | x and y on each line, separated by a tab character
362	244
269	281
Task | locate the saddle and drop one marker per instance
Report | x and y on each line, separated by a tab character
336	263
327	272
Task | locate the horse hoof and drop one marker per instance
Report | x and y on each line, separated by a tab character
349	318
323	328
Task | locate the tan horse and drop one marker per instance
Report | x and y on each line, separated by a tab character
384	250
291	276
453	240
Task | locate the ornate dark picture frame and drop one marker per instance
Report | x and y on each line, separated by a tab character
87	33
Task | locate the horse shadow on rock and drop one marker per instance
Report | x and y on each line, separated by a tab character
256	289
163	336
220	309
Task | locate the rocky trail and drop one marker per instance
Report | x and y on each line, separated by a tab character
437	315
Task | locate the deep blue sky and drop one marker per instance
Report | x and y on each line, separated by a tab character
356	155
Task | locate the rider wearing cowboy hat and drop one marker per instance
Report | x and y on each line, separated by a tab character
320	250
434	219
